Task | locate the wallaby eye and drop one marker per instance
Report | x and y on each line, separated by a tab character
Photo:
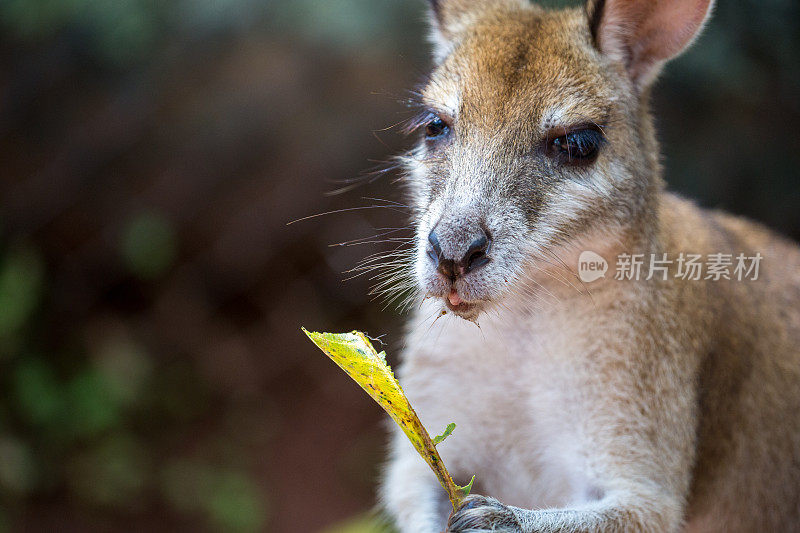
576	147
435	128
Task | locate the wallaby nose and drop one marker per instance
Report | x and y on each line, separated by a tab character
475	257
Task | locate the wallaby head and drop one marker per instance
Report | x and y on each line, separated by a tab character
535	134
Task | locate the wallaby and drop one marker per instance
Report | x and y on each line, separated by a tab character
653	403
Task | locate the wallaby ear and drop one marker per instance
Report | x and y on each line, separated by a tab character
644	34
450	18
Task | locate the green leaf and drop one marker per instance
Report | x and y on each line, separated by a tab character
468	487
447	431
354	354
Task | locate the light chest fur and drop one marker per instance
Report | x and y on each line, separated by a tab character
509	386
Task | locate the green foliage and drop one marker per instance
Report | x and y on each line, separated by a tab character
90	406
125	369
37	392
466	489
235	503
346	24
227	497
21	286
68	410
18	474
113	472
128	31
120	31
447	431
366	523
354	353
69	420
148	245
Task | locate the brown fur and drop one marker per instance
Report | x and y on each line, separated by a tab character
616	406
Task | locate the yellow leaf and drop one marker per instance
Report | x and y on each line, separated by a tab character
354	353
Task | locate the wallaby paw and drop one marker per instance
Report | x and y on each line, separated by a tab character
478	514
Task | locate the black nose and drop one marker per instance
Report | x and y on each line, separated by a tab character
475	257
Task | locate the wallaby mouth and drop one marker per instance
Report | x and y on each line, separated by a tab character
461	308
455	304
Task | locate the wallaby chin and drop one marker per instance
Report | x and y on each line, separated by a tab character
611	382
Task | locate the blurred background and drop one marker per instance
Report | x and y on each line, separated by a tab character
153	373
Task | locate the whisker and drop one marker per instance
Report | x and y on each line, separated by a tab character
367	176
384	200
394	208
360	239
